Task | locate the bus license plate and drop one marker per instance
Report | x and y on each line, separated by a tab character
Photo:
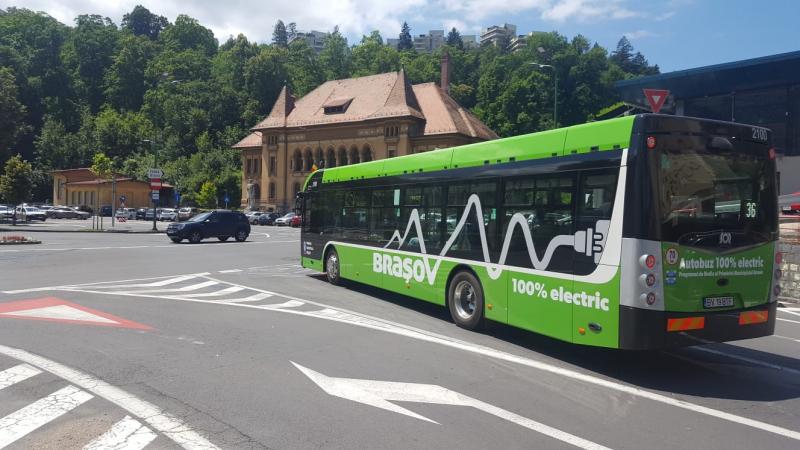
717	302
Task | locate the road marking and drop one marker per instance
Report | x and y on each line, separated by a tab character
745	359
17	424
787	320
353	318
131	247
229	290
230	271
789	311
161	421
99	284
252	298
127	434
380	394
14	375
189	288
289	304
784	337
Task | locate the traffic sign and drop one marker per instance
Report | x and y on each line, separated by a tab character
155	195
656	98
123	198
155	183
155	173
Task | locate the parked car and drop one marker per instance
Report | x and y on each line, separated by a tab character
285	220
105	210
296	221
221	224
79	214
268	218
127	213
30	213
83	208
65	212
168	214
141	213
253	217
6	212
186	213
148	215
789	203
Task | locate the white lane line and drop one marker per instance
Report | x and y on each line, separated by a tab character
756	362
785	337
228	290
788	311
252	298
159	420
230	271
100	284
14	375
289	304
787	320
18	424
189	288
127	434
358	319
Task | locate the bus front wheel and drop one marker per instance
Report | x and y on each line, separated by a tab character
332	268
465	300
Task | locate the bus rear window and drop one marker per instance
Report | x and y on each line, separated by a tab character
707	188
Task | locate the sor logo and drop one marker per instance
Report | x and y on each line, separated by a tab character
672	256
725	238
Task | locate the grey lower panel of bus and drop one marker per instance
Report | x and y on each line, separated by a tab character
632	291
640	329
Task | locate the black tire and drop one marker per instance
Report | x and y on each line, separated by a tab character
176	240
223	238
241	235
333	267
195	237
465	300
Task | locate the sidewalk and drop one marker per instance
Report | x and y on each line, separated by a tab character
790	246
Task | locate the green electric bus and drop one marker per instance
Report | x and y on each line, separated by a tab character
641	232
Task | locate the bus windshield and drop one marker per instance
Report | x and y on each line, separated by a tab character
715	185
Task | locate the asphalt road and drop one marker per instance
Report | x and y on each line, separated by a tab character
233	345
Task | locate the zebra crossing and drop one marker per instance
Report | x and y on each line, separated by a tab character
28	420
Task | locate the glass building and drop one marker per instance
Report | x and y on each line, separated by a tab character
761	91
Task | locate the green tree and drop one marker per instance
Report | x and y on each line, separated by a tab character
207	197
335	56
406	43
371	56
16	181
102	166
302	68
125	79
88	52
11	113
279	36
58	149
454	39
141	22
187	34
265	75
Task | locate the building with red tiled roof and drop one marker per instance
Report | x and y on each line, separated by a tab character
82	187
345	122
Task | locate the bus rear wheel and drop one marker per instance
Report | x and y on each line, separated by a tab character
332	268
465	300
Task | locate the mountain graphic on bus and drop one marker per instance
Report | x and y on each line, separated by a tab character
589	242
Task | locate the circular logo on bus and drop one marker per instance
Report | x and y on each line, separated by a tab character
672	256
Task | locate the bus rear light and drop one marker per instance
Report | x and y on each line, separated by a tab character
751	317
778	257
648	261
650	298
651	142
686	324
771	153
650	280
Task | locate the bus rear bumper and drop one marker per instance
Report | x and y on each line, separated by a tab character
641	329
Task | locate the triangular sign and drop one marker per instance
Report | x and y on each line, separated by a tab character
54	309
656	98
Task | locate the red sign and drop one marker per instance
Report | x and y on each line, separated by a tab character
54	309
155	183
656	98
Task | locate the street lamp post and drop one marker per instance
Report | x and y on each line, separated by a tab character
155	164
555	90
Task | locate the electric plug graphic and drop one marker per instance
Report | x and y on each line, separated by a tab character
592	241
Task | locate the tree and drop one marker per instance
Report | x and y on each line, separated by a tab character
207	197
125	80
264	76
187	34
141	22
454	39
406	43
279	36
371	56
102	166
335	56
11	113
291	30
88	52
16	182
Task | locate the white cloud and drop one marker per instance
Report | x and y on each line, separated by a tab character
583	10
639	34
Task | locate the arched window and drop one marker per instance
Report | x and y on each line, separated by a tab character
272	191
342	157
308	160
330	157
297	161
319	160
354	157
366	153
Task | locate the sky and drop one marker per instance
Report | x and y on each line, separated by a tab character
675	34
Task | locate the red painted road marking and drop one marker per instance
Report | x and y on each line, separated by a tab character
54	309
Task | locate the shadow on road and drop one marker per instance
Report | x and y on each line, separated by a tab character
686	371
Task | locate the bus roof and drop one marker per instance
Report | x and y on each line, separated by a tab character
612	134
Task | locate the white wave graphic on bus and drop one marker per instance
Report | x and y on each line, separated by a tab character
589	242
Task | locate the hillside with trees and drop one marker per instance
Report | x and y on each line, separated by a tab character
68	92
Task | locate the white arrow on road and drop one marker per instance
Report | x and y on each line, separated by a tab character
380	394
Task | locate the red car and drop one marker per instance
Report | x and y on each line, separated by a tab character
296	221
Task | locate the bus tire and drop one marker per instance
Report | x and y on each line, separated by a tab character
333	267
465	300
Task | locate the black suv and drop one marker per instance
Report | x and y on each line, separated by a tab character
220	224
268	218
